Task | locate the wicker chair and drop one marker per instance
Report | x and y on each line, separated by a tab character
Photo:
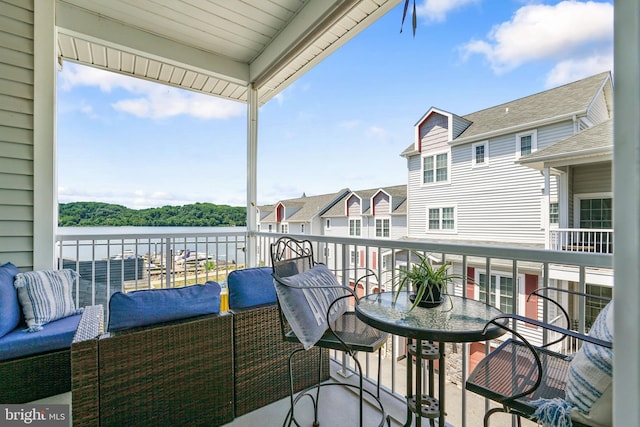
290	258
519	375
174	373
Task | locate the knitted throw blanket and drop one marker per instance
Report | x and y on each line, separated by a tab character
590	374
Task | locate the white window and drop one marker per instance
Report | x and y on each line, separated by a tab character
554	213
301	228
526	143
435	168
354	227
327	224
480	154
355	257
284	228
382	227
501	291
443	219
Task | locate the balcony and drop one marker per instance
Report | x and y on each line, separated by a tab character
582	240
109	263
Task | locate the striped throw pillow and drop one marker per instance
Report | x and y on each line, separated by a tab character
589	381
45	296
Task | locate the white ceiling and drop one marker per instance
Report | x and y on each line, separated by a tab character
217	47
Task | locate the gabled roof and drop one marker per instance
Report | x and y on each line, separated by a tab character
304	208
557	104
595	143
398	195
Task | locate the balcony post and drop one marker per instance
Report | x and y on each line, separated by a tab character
252	173
546	203
45	200
626	182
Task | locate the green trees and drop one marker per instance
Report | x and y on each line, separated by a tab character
86	214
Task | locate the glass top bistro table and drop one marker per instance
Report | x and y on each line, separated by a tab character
464	322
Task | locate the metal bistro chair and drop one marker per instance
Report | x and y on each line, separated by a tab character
521	377
291	259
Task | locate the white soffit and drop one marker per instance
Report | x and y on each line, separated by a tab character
216	47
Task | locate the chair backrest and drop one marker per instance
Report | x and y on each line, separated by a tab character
288	257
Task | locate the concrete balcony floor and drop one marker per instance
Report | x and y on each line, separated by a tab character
339	407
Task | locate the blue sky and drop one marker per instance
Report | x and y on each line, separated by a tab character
343	124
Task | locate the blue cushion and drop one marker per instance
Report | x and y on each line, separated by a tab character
250	287
305	299
55	335
148	307
9	305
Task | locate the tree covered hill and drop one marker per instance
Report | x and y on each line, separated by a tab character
86	214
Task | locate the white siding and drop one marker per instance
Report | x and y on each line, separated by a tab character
499	203
434	133
594	178
381	204
599	111
16	133
459	126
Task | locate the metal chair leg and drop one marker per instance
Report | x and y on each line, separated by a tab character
491	412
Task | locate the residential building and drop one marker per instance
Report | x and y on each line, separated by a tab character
476	179
372	213
297	216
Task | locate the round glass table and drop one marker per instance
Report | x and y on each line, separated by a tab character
457	320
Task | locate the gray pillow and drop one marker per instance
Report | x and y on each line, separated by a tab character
305	298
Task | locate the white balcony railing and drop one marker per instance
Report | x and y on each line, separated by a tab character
139	261
582	240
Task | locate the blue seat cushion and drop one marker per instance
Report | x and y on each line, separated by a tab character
250	287
55	335
9	305
151	306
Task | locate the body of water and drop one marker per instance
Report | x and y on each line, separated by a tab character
153	243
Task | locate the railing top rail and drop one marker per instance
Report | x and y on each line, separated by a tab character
597	260
60	237
583	230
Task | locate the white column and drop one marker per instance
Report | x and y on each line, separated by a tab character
626	180
45	196
546	201
252	173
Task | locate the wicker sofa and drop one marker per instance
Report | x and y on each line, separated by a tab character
204	370
35	335
260	354
177	372
41	374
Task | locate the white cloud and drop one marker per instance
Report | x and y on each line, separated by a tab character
150	100
437	10
572	33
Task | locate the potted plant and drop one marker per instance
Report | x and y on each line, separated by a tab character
429	284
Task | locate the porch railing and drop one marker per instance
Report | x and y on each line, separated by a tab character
128	262
582	240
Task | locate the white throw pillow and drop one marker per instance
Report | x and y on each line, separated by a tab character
305	299
45	296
